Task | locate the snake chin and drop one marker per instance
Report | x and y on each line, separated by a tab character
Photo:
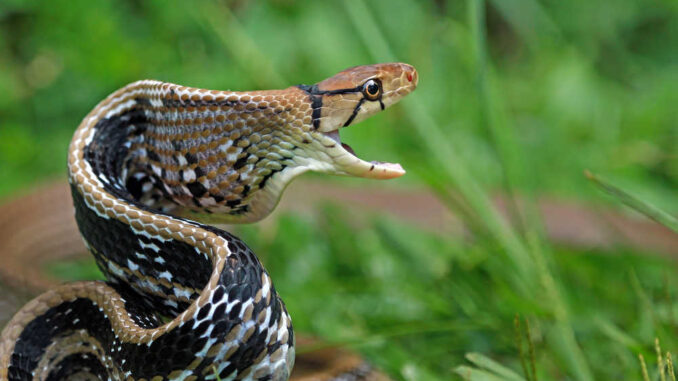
358	167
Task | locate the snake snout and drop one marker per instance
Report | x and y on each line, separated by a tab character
412	75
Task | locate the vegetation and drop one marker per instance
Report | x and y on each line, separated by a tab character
516	96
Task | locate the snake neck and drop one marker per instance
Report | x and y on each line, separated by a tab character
227	154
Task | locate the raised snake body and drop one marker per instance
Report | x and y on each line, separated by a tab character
185	300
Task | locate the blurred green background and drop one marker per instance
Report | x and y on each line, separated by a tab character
514	97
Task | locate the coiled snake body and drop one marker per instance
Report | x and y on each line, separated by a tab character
185	300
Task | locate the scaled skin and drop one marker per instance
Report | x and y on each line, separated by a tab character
231	154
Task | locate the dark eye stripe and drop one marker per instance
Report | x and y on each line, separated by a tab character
355	112
313	90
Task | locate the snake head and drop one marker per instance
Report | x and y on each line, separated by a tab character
346	99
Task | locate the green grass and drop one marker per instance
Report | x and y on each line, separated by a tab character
515	96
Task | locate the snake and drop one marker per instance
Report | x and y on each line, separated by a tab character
151	168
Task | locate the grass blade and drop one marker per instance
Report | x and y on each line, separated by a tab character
519	344
468	373
669	364
660	360
485	362
646	376
634	202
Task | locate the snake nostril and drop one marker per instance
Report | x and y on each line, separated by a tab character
409	77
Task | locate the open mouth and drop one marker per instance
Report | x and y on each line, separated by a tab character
358	167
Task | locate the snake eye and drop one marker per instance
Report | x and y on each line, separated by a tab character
372	90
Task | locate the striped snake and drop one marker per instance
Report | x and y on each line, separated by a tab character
184	300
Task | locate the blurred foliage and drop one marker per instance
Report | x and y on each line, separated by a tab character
514	95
